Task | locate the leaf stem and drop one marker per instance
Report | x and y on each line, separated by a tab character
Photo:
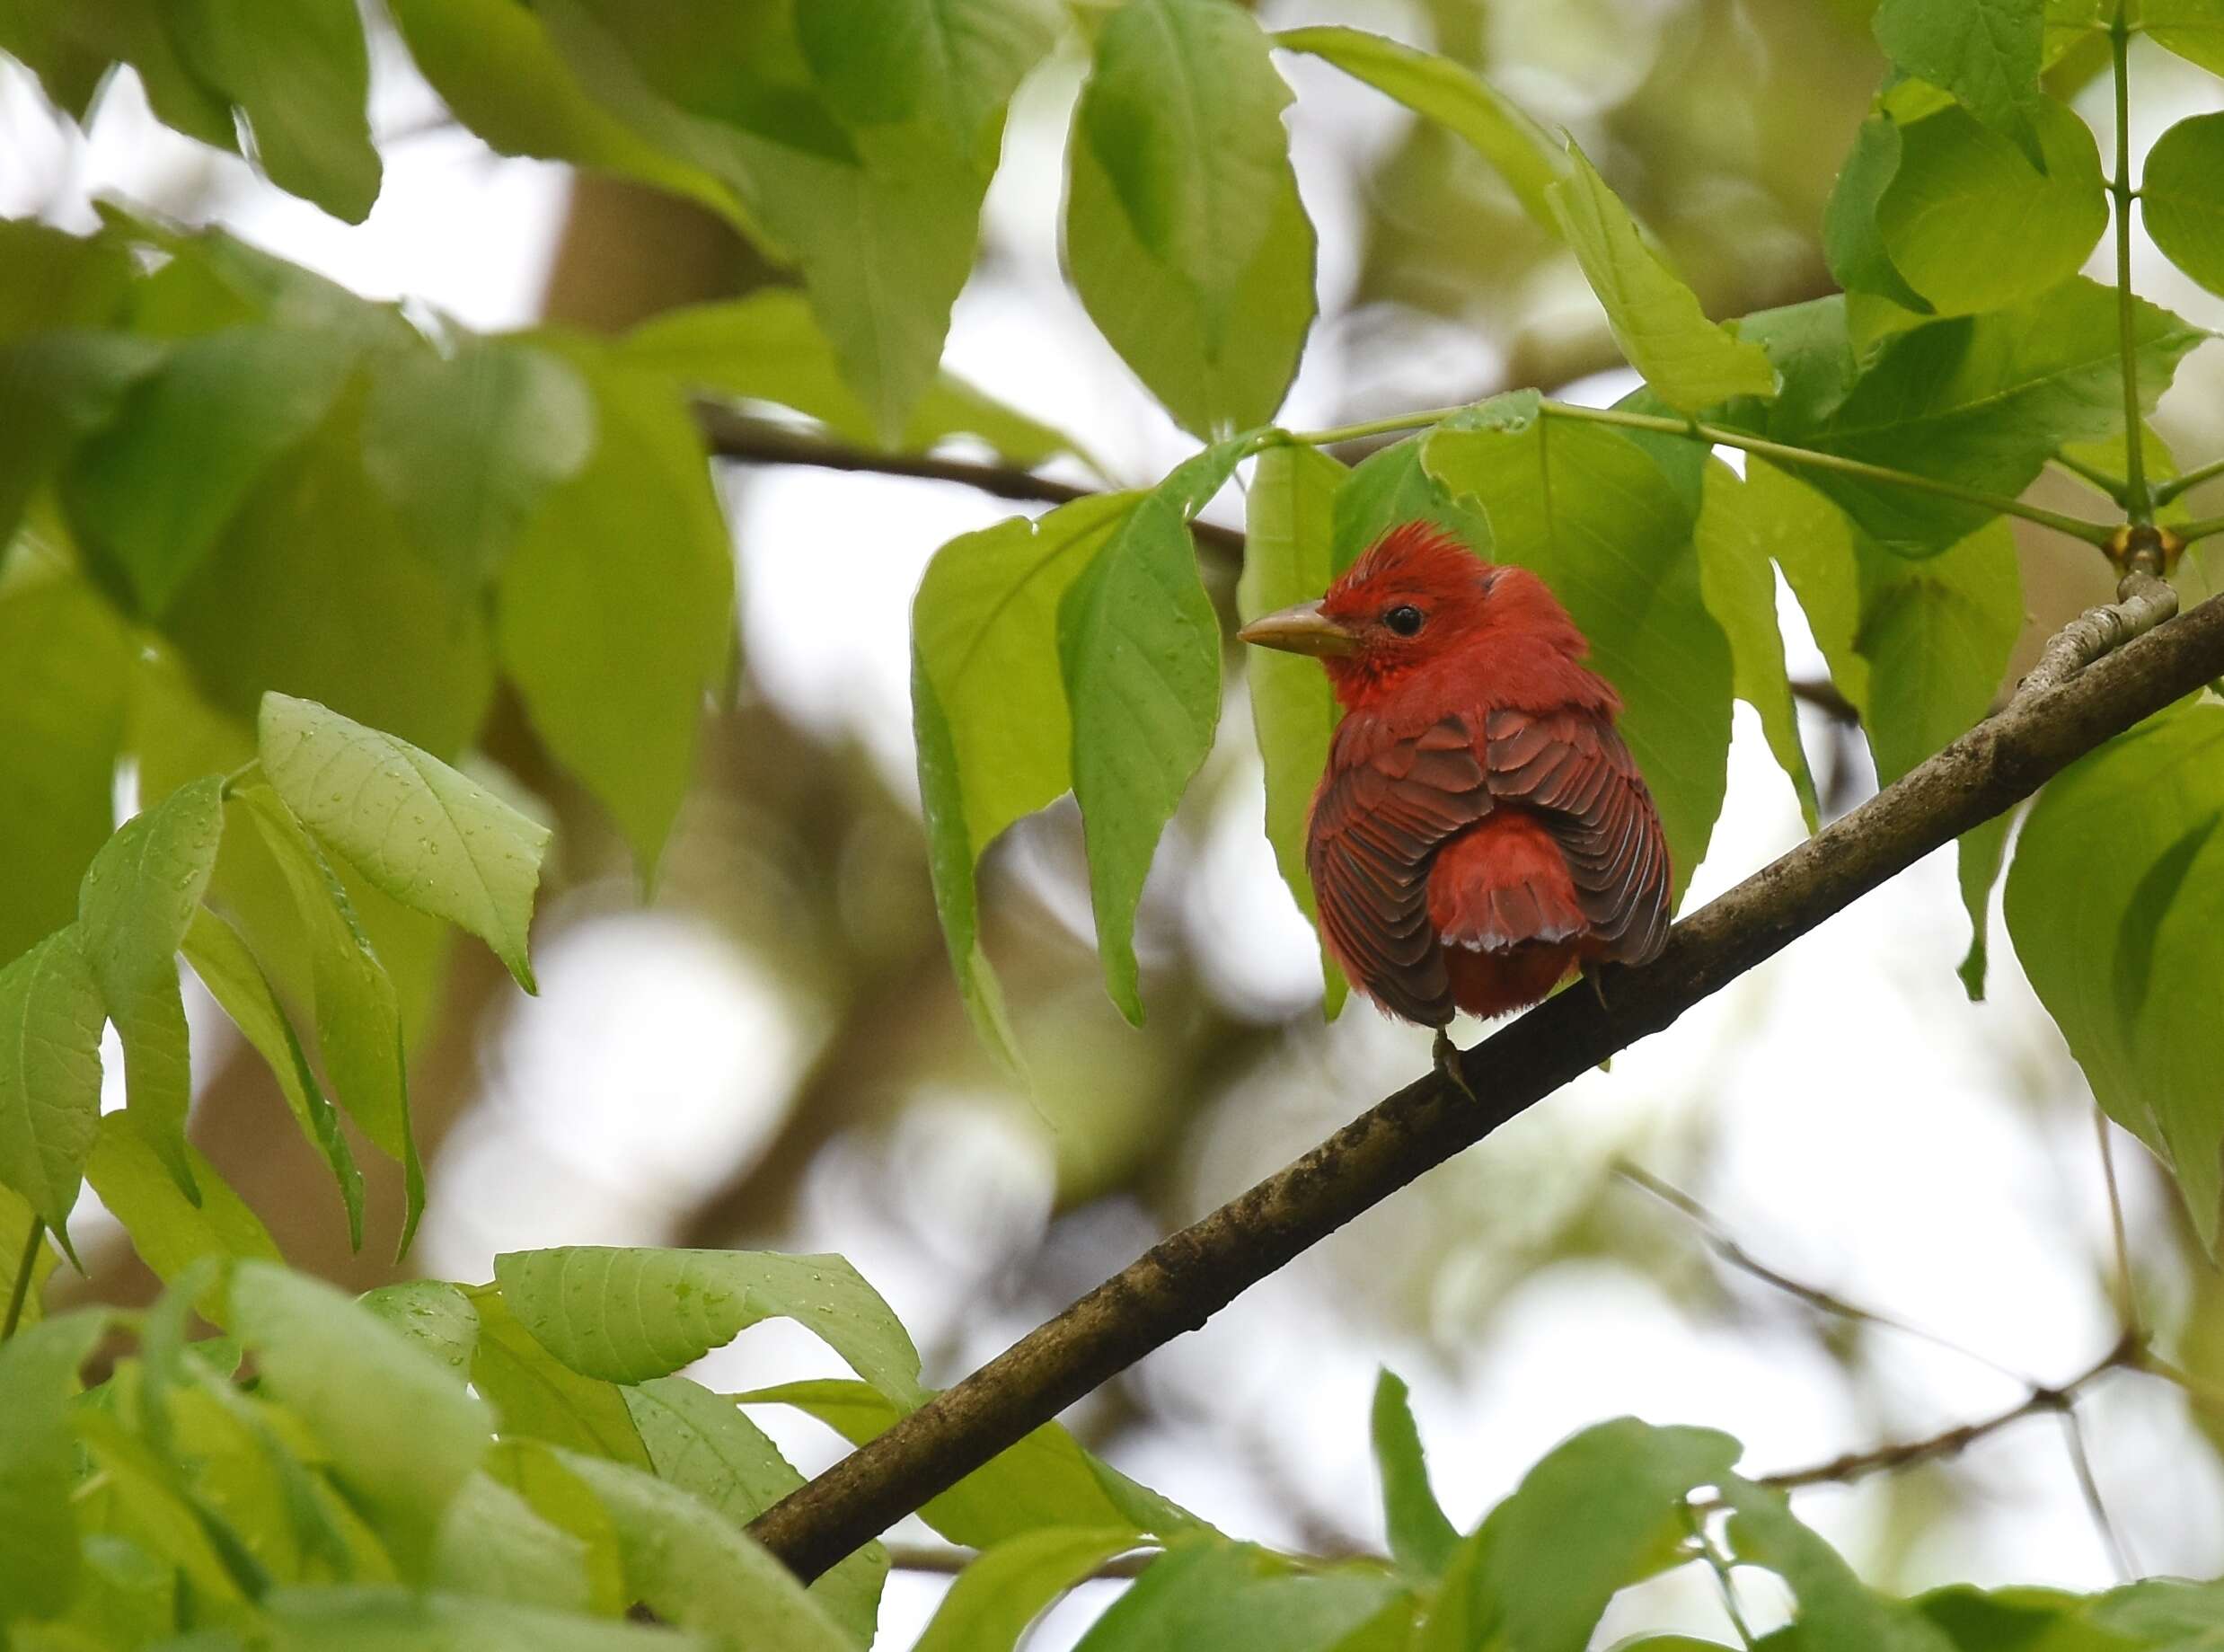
2163	492
2096	477
2207	527
25	1265
2135	498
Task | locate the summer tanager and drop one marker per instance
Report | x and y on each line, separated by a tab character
1482	831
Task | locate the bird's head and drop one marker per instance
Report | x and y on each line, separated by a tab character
1416	598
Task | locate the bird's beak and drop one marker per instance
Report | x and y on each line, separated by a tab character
1302	630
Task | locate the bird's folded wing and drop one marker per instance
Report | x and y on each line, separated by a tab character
1384	807
1572	769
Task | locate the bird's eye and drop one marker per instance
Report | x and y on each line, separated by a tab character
1405	619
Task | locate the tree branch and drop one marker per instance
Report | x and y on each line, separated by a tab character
2144	603
1178	1284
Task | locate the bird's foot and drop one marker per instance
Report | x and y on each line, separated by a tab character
1594	972
1447	1054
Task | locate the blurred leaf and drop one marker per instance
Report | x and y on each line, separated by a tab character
228	969
1600	1511
2113	905
1691	363
1977	868
564	1500
956	62
1852	245
391	1619
1973	228
1394	485
403	1435
358	1026
689	1565
493	64
1981	400
1288	535
702	1443
493	1543
2193	28
1736	536
170	1232
540	1398
50	280
466	446
1984	52
2178	200
39	1555
988	709
65	665
56	389
71	44
1184	234
16	1220
1236	1596
126	1596
51	1020
1420	1536
299	71
768	347
436	1316
1139	653
2164	1613
1046	1481
615	611
418	830
1435	87
155	489
625	1315
1598	519
1837	1613
2014	1620
137	900
994	1599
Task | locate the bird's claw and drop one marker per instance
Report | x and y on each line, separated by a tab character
1447	1054
1594	972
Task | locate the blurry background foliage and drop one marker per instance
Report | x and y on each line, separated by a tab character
358	548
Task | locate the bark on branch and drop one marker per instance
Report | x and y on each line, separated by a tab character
1179	1283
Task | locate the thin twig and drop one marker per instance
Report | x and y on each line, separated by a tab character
2143	603
2127	1298
1182	1281
2206	1398
2135	497
2081	1463
1719	1240
19	1292
1822	694
1719	1563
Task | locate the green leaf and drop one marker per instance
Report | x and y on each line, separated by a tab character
358	1024
564	1501
1977	868
64	667
137	900
1289	540
702	1443
1602	1510
1184	233
156	489
494	66
1737	540
436	1316
51	1020
1984	52
384	1618
2013	1620
2193	28
688	1565
1045	1482
1139	653
2162	1614
56	389
1597	518
228	969
539	1397
38	1556
1969	223
1835	1608
51	281
1656	318
1981	400
994	1600
170	1232
1236	1595
403	1435
466	446
956	62
1852	245
493	1543
1420	1536
1394	485
615	611
2179	197
768	347
988	709
2113	905
625	1315
16	1220
416	828
300	72
1522	152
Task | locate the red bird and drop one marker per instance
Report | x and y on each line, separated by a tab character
1481	830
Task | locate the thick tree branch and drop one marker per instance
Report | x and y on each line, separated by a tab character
1178	1284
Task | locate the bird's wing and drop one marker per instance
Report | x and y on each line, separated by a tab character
1384	806
1572	769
